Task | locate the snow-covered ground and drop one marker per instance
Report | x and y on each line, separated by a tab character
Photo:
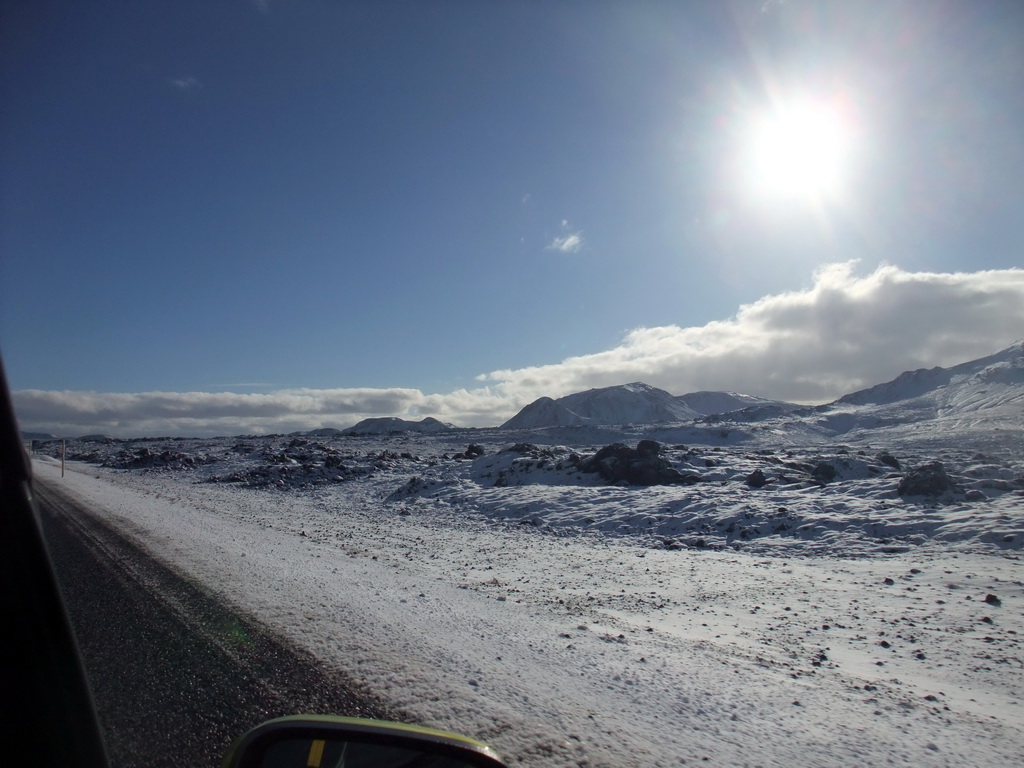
820	619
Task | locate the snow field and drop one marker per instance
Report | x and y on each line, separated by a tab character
504	614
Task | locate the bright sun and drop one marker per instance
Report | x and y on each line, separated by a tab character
798	150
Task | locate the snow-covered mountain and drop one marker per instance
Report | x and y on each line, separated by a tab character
708	403
984	383
979	397
635	403
388	425
545	412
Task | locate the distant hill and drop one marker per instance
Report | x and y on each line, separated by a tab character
982	398
986	387
983	383
635	403
389	425
38	436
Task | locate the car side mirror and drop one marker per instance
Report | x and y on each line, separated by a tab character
319	741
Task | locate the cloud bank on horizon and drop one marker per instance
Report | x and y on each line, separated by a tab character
843	333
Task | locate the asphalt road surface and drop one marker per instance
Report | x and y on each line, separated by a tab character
175	675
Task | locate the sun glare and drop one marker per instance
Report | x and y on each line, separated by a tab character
798	150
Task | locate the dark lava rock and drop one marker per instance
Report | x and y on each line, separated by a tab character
926	480
648	449
521	448
642	465
756	479
889	460
146	458
992	599
473	450
824	473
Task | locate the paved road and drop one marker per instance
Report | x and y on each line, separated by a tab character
176	676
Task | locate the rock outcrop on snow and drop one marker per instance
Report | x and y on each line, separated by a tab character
928	479
643	465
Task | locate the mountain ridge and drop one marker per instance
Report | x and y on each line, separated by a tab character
987	388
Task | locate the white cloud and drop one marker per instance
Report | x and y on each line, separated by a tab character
842	333
569	243
185	83
200	414
203	413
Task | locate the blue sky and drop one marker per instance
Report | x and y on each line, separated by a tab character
475	203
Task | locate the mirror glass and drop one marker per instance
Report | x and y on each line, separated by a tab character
340	753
